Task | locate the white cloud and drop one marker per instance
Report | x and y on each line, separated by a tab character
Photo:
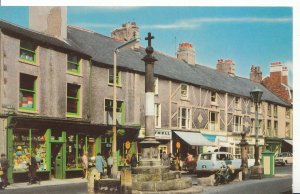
197	22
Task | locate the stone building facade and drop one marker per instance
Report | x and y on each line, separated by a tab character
56	100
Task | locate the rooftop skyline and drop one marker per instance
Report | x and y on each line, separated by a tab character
247	35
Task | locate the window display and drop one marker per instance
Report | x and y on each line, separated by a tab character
21	153
71	151
39	149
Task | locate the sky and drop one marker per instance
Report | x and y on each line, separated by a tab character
247	35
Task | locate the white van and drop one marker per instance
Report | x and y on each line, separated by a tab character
210	162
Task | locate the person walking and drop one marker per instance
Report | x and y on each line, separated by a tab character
4	165
100	164
33	179
133	161
110	162
85	164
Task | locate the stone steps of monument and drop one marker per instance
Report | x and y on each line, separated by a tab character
150	169
165	185
191	190
156	177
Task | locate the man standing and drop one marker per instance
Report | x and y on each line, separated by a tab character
4	165
33	179
85	164
100	164
110	162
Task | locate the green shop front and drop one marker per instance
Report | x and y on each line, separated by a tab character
58	146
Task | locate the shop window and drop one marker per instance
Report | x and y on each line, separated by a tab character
213	121
28	51
25	143
111	77
71	151
73	64
157	110
237	124
73	100
27	95
184	118
184	91
109	111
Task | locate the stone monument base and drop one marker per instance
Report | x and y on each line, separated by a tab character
256	172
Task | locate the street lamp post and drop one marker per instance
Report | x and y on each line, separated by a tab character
114	127
256	170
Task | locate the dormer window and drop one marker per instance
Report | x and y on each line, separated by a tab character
28	51
184	91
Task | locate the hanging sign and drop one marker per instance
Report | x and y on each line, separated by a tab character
178	145
127	145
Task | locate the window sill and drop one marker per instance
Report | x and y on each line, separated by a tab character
75	74
28	62
27	111
118	85
72	115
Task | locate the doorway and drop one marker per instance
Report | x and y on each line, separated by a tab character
57	157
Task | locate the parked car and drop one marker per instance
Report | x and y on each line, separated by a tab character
208	163
284	158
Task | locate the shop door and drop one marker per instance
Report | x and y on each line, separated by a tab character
57	160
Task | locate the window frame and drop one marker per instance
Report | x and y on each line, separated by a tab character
157	111
216	121
187	118
275	111
78	64
34	96
237	125
155	85
213	95
118	77
77	98
237	103
182	91
34	61
287	113
119	109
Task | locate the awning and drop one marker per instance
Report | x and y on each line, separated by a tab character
289	141
194	139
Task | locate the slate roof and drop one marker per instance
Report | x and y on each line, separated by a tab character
101	49
40	37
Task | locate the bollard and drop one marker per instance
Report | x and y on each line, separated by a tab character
92	176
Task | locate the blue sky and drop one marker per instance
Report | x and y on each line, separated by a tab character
247	35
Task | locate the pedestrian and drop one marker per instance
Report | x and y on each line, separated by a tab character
165	159
133	161
85	164
33	179
1	178
4	165
110	162
100	164
189	157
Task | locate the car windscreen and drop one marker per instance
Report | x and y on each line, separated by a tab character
205	157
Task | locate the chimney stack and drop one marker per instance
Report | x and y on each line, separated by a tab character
226	66
279	73
127	32
186	53
50	20
255	74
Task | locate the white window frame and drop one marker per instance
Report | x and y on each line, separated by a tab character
157	110
213	95
269	111
156	85
275	128
237	103
184	93
213	126
275	111
187	123
269	128
237	127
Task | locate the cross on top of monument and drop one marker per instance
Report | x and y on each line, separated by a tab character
149	37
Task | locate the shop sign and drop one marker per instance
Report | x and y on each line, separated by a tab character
163	134
178	145
127	145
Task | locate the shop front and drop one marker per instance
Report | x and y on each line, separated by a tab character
57	145
164	137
